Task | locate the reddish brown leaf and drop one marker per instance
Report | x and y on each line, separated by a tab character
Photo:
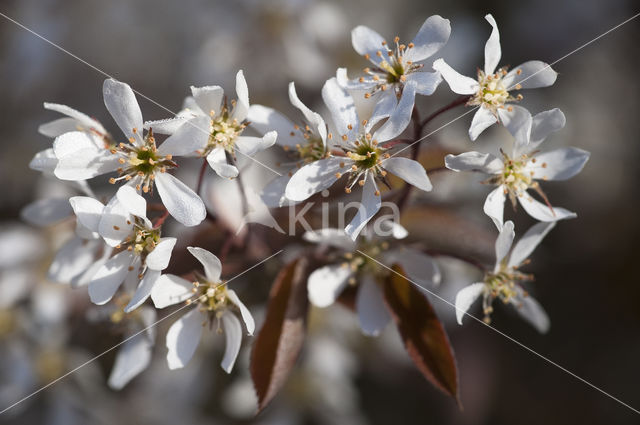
278	343
421	331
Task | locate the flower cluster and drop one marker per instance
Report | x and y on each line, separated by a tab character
121	250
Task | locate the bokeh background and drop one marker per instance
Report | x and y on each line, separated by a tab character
586	271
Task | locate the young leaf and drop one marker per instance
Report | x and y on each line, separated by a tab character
421	331
278	343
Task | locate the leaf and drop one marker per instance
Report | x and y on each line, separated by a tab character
421	331
278	344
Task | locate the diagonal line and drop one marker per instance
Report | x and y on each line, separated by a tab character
95	68
187	304
524	79
551	362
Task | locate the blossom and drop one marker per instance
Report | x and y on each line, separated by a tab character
365	158
356	268
305	142
492	90
504	281
138	161
396	67
515	174
213	301
141	254
211	128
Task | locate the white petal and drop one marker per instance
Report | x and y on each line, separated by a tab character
244	311
326	283
132	202
542	212
115	223
273	193
432	36
419	267
57	127
167	126
494	206
559	164
528	242
342	108
44	161
208	98
482	119
242	105
159	258
530	310
312	118
408	170
80	159
211	263
426	82
169	290
518	122
143	291
533	74
72	259
265	119
45	212
182	203
369	206
386	104
217	159
83	120
492	51
466	297
109	277
544	124
367	42
88	211
183	338
394	229
188	138
336	238
84	277
457	82
315	177
122	105
251	145
132	358
371	308
401	116
474	161
233	333
353	84
503	242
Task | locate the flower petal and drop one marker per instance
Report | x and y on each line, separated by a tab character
503	242
336	238
457	82
72	259
57	127
542	212
492	51
241	109
532	74
82	120
167	126
559	164
250	146
233	333
159	258
544	124
188	138
169	290
88	211
366	41
426	82
342	109
183	338
368	207
143	291
122	105
474	161
312	118
326	283
482	119
211	263
531	311
466	297
115	224
494	206
45	212
182	203
315	177
371	308
208	98
264	119
244	311
79	158
217	159
408	170
273	193
518	122
44	161
419	267
132	202
431	37
528	242
386	104
131	360
109	277
401	116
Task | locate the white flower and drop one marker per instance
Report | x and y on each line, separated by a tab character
142	253
138	161
305	142
492	89
516	173
326	283
503	282
396	67
211	128
214	301
365	159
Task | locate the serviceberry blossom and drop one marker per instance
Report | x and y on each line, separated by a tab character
304	142
83	155
395	67
211	128
514	174
352	268
141	252
504	282
493	90
361	156
212	301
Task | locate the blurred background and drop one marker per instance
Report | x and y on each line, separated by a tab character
586	274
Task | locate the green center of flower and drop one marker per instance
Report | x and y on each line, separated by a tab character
502	285
362	261
224	131
492	92
212	296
